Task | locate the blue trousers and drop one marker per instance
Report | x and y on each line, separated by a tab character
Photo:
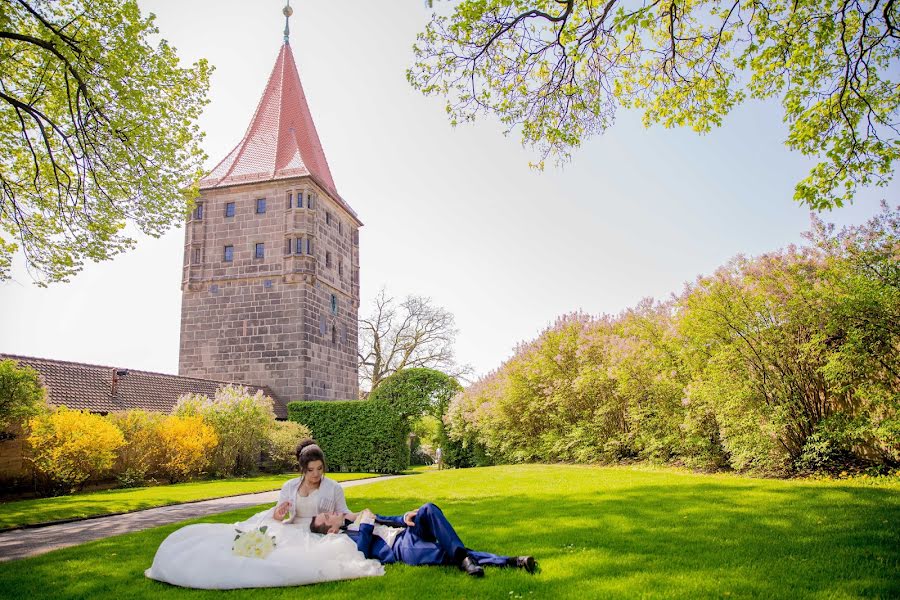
433	541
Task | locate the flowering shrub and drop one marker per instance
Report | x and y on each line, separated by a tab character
142	453
68	447
241	421
186	446
281	442
782	362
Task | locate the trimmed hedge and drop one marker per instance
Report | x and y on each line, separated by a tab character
356	435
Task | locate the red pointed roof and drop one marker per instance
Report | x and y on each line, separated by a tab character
281	141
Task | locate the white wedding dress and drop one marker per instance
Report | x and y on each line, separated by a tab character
200	556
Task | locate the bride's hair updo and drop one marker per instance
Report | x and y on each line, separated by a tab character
308	451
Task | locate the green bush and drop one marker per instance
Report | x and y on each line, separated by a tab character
418	391
281	445
21	393
357	435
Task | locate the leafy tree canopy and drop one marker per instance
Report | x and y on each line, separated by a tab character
559	69
418	391
21	393
97	132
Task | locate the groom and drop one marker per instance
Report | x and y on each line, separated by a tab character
420	537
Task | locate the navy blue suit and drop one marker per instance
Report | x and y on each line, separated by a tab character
431	541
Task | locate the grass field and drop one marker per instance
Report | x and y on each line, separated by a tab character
42	510
596	532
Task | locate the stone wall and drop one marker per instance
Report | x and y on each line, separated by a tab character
271	321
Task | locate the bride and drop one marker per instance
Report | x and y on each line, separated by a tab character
201	556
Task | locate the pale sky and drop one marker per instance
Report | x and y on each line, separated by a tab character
453	214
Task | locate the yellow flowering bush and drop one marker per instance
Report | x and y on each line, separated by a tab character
240	419
69	447
186	444
143	452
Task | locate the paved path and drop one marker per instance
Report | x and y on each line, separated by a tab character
30	542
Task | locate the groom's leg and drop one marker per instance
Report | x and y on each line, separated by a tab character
432	525
486	558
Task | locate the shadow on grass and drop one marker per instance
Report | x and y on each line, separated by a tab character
649	536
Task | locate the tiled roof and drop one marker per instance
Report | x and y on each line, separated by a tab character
281	141
90	387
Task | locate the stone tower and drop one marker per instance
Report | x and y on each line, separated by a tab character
270	287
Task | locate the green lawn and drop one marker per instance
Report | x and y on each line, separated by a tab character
42	510
596	532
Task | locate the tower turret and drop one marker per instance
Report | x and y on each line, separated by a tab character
270	287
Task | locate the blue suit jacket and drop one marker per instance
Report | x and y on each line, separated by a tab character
373	546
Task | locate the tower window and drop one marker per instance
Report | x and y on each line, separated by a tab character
340	268
334	304
198	212
328	259
341	227
195	259
229	209
309	246
327	218
309	201
300	199
333	334
290	198
260	250
229	253
288	246
260	206
298	245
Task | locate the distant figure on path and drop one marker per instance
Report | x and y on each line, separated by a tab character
439	458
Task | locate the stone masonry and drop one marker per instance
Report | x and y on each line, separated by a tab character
287	320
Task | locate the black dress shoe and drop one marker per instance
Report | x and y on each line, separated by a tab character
471	567
525	562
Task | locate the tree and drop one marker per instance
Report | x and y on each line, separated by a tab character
410	334
21	394
417	391
97	132
559	70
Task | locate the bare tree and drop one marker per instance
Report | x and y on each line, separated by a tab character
406	334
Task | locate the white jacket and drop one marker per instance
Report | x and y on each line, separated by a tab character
331	496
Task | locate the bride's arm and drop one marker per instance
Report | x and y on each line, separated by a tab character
283	507
340	502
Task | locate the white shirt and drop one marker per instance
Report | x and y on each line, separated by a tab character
387	533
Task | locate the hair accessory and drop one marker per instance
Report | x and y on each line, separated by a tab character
310	448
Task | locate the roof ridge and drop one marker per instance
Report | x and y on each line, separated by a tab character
4	355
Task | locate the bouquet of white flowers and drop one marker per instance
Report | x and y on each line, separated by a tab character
255	543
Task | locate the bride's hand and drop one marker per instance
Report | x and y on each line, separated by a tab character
282	511
410	518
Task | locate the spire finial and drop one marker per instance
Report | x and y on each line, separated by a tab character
287	12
